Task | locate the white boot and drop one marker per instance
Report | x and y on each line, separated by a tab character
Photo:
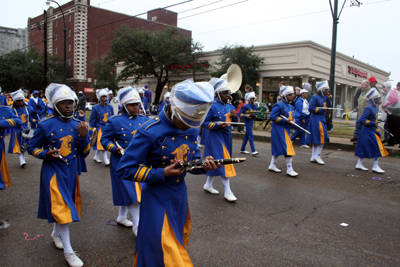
105	157
97	157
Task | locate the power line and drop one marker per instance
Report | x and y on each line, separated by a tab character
214	9
104	36
283	18
108	23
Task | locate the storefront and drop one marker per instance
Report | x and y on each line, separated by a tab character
295	64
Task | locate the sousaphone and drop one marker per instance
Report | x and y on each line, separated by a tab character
233	77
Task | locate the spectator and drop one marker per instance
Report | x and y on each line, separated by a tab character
277	96
247	89
392	106
147	94
385	89
82	101
362	102
297	94
240	128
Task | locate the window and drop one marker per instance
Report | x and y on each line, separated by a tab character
69	62
69	32
56	50
33	31
56	36
56	22
69	47
70	17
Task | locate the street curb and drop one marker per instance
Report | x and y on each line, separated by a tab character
345	147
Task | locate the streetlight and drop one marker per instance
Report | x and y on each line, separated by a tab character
65	40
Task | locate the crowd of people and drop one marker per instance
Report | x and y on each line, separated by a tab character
147	184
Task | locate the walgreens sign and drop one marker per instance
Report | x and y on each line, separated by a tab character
357	72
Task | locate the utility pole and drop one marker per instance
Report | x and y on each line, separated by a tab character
23	70
45	48
335	18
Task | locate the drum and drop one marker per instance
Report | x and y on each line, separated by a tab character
26	135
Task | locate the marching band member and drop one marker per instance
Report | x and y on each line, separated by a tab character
121	129
281	145
369	143
37	109
248	120
319	104
57	141
219	137
7	120
16	145
145	102
98	119
165	102
302	115
164	225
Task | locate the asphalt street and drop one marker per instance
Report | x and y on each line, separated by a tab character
277	220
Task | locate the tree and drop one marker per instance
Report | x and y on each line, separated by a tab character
20	69
246	59
145	53
105	74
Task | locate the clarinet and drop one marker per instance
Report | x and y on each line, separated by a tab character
199	164
58	155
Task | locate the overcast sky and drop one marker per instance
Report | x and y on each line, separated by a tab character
370	33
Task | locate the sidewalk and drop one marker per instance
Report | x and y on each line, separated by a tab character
335	143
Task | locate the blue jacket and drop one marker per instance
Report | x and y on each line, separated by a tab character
39	108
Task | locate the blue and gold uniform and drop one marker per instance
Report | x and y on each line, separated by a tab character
369	143
219	140
317	125
301	113
60	199
281	145
164	226
98	119
7	120
145	105
121	128
16	144
248	122
37	110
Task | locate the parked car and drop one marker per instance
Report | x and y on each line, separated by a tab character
89	105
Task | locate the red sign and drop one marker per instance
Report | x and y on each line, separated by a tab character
88	90
357	72
203	64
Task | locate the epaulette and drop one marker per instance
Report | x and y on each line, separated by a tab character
113	116
46	119
150	123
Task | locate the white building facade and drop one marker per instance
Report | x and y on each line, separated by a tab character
295	64
12	39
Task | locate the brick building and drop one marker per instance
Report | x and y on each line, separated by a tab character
87	36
